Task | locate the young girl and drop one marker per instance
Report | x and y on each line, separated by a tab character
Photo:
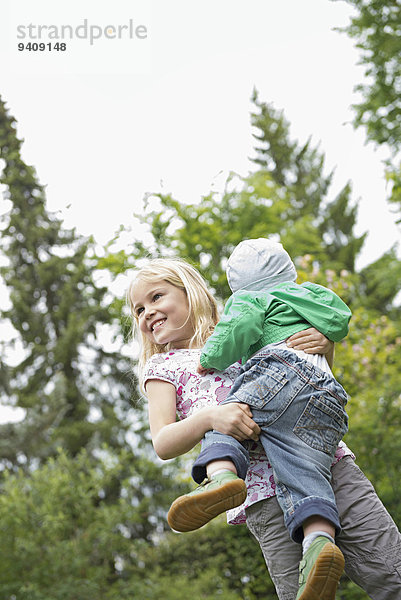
175	314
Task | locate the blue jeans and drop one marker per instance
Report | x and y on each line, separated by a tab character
300	410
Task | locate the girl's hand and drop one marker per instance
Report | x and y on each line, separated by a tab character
310	341
235	419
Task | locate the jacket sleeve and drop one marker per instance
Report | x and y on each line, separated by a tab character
320	307
240	326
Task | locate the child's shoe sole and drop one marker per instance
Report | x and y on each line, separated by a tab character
322	581
194	510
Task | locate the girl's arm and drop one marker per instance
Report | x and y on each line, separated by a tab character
172	438
312	341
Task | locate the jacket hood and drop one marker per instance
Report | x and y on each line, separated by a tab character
258	265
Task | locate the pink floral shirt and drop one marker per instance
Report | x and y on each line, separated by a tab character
194	392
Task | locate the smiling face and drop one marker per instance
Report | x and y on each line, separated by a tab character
162	311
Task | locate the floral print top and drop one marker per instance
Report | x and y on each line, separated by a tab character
194	392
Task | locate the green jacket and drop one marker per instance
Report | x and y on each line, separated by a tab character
251	320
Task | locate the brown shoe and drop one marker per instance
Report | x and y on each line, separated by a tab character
212	497
320	571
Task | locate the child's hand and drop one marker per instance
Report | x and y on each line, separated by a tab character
201	370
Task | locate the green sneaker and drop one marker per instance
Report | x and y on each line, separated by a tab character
320	571
212	497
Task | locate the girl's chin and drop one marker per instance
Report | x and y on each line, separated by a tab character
161	339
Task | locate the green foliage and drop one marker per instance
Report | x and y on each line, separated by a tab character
381	282
349	591
393	176
367	362
206	233
90	521
298	169
287	198
311	223
75	394
59	538
375	27
65	536
340	245
218	559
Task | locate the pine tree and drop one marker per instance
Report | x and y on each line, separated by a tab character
74	393
299	169
77	397
374	26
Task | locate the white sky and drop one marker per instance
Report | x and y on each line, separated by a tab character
105	123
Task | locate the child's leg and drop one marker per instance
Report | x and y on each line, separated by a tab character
310	515
317	523
219	447
322	561
301	415
314	527
220	459
218	466
282	555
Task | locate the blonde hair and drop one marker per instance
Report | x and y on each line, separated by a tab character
203	313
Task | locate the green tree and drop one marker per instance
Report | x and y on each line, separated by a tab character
75	393
287	197
84	515
222	561
271	201
380	284
311	223
62	538
375	28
